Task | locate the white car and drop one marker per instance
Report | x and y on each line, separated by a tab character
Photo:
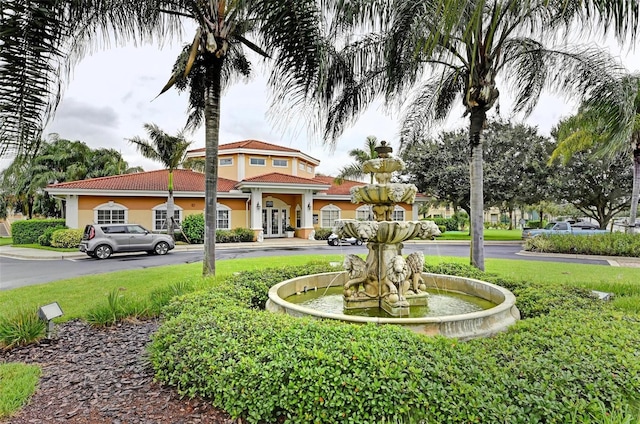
334	240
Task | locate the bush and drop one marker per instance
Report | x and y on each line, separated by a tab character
45	238
574	360
28	231
21	329
193	228
118	308
322	233
68	239
607	244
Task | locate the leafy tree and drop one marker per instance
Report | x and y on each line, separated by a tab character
287	32
598	187
171	152
440	168
446	51
610	122
360	156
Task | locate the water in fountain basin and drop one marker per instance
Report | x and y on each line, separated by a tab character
441	303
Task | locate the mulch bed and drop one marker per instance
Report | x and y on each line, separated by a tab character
94	375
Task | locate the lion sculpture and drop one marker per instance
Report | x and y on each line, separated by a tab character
396	279
415	263
356	268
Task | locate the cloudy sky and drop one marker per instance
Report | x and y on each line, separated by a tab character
111	95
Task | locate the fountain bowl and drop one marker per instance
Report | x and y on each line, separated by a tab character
467	326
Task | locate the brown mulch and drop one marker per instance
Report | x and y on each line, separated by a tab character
94	375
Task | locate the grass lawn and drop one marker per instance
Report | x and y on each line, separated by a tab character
78	295
4	241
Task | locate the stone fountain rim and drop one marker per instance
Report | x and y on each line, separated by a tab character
508	302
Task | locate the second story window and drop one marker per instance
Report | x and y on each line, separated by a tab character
226	161
257	162
301	166
281	163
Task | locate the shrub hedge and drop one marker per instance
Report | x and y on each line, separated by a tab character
28	231
66	238
608	244
193	229
45	238
450	224
574	359
322	233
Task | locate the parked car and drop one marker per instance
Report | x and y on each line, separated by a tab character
101	240
334	240
563	227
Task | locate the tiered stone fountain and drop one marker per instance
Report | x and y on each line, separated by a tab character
388	281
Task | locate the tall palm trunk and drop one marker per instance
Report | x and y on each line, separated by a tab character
170	207
212	140
476	217
635	194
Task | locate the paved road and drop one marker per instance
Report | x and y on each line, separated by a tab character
23	272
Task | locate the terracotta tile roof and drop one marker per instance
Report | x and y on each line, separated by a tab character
335	189
276	177
183	180
249	144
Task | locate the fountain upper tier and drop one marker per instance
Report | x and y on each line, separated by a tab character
385	194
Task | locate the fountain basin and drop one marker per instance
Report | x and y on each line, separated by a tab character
389	232
462	326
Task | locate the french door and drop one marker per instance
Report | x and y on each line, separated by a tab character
274	221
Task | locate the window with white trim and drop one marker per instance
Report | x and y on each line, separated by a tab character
309	169
110	213
257	162
328	216
301	166
225	161
160	217
223	217
398	214
364	213
280	163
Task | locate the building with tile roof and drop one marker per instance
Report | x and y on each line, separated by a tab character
261	186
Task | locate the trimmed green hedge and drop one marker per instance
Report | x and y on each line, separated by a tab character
193	229
322	233
28	231
574	360
608	244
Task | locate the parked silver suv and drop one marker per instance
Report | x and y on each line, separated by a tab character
101	240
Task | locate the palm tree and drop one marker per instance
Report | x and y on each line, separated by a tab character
287	32
171	152
449	50
360	156
609	122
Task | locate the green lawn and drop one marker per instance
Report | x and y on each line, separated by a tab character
78	295
17	383
4	241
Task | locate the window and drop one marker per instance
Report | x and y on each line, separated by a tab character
309	169
398	214
282	163
160	218
225	161
301	166
298	217
328	216
364	213
257	161
223	217
110	213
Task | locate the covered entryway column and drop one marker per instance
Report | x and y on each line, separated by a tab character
256	214
307	215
